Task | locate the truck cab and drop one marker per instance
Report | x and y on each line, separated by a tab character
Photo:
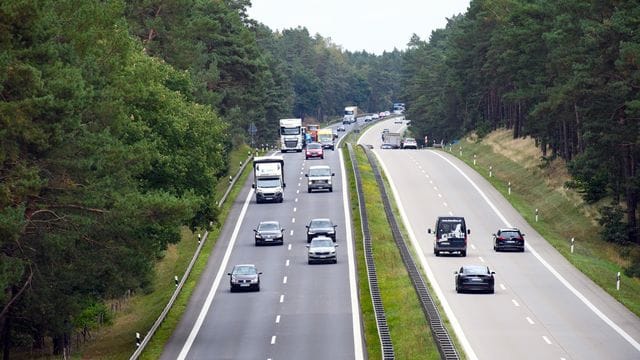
268	178
291	135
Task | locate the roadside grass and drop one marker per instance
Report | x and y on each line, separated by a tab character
561	213
141	310
410	332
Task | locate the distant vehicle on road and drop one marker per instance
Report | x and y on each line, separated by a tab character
326	139
319	178
375	116
314	150
322	249
321	227
268	178
475	278
398	120
341	128
508	239
244	277
451	235
368	118
409	143
392	139
269	232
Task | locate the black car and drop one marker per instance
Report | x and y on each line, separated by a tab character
269	232
475	278
244	277
508	239
321	227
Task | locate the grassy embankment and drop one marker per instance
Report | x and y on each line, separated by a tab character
562	213
140	312
408	327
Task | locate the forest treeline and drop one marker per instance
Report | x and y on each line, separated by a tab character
116	120
564	72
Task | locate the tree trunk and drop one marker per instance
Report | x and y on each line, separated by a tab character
5	328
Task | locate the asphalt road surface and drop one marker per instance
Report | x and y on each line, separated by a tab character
302	311
543	308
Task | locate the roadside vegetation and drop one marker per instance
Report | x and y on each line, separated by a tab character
409	329
139	314
562	214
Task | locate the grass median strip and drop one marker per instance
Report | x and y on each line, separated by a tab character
410	332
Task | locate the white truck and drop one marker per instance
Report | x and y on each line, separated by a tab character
268	178
350	115
392	140
291	136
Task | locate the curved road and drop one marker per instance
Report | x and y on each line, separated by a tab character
302	311
543	307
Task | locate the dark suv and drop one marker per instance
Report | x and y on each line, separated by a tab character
321	227
451	235
508	239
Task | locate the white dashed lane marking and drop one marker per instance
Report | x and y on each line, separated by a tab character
530	321
278	319
282	298
473	246
480	258
503	287
273	339
295	209
291	233
286	263
289	247
546	339
284	280
293	220
515	302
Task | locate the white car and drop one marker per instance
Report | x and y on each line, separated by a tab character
409	143
375	116
322	249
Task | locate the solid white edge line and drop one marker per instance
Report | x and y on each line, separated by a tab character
216	282
423	261
551	269
353	285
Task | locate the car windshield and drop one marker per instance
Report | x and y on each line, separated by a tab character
320	224
451	228
244	270
474	270
268	183
314	146
509	234
321	243
289	131
320	172
269	226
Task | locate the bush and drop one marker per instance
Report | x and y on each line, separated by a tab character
613	229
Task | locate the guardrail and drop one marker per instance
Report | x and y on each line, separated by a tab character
169	305
374	289
440	333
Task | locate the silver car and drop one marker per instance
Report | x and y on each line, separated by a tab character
322	249
244	277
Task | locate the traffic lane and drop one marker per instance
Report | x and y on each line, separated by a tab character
474	311
177	340
565	302
562	308
316	324
220	322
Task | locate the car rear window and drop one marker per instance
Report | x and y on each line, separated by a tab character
509	234
451	228
475	270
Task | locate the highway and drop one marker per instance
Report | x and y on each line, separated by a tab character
543	307
302	311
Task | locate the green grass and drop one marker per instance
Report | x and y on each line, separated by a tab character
410	332
141	311
561	217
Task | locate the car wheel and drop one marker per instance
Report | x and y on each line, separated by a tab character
463	253
495	248
309	190
233	289
458	290
335	261
306	158
322	157
257	243
436	252
492	290
522	250
330	189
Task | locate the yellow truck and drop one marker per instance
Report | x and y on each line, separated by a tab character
325	137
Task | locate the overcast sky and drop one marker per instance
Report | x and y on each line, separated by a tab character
371	25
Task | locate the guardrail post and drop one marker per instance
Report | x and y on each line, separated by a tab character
176	280
509	187
199	238
536	215
618	281
490	171
474	159
137	339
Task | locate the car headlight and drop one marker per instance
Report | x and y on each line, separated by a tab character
233	278
253	281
